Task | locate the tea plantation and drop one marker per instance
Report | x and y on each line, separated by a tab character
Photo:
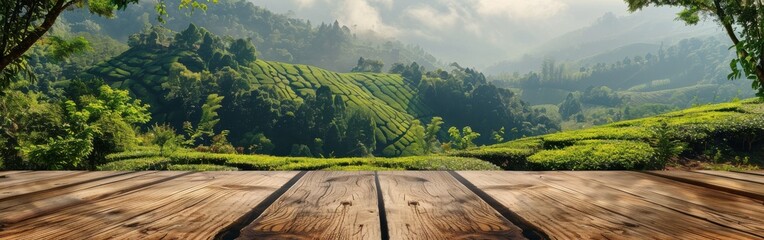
730	134
391	100
150	159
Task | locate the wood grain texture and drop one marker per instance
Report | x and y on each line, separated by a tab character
4	174
191	206
567	207
755	172
55	183
721	208
11	180
322	205
734	175
740	187
434	205
24	206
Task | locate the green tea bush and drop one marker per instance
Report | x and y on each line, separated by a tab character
200	167
136	164
506	158
132	155
597	155
563	139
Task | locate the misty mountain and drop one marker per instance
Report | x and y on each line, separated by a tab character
610	38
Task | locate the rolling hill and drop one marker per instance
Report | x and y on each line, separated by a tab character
391	100
730	133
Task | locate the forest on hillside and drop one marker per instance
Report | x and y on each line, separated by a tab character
238	87
581	94
194	89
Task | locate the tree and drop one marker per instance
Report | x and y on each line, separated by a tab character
244	51
498	136
665	145
165	137
188	38
207	122
25	22
184	86
570	106
431	133
368	65
742	20
418	144
464	139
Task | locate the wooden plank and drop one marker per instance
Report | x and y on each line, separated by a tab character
434	205
743	188
194	206
756	172
322	205
43	185
569	207
4	174
30	177
722	208
16	209
735	175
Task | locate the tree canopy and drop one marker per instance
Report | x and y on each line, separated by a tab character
25	22
742	22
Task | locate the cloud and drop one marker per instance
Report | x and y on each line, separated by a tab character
521	9
433	18
304	3
471	31
360	15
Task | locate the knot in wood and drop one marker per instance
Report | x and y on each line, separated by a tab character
415	203
347	203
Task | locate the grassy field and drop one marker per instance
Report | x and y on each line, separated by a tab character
726	136
149	159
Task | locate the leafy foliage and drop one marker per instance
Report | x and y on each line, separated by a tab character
303	108
278	37
740	19
209	161
597	155
724	131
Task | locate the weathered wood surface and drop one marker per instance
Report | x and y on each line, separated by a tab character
740	187
736	175
756	172
721	208
415	205
188	206
570	207
14	179
4	174
434	205
322	205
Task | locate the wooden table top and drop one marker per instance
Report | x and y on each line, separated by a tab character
382	205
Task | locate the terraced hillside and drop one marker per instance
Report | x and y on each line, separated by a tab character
392	101
728	135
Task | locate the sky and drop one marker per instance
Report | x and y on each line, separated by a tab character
479	32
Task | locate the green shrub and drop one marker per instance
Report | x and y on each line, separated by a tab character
568	138
597	155
137	164
506	158
440	163
200	167
60	154
132	155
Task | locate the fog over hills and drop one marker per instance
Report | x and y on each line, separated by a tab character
494	35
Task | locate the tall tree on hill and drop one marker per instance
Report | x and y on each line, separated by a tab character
25	22
742	20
